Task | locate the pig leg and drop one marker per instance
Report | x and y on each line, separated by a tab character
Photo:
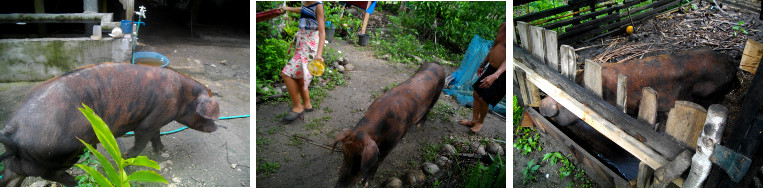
62	177
11	179
156	143
141	140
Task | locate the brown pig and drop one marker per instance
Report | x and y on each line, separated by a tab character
385	122
700	76
40	137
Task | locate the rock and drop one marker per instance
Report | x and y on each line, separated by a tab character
349	67
385	57
449	149
430	168
443	161
461	146
478	148
176	179
164	164
413	177
39	184
265	89
494	148
224	62
335	64
393	182
278	90
481	151
345	61
340	68
233	166
342	61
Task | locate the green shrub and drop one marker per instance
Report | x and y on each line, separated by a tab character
488	176
271	58
115	177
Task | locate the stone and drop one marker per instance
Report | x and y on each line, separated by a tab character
430	168
478	148
494	148
443	161
39	184
164	164
448	149
342	61
385	57
481	151
233	166
176	179
340	68
413	177
349	67
393	182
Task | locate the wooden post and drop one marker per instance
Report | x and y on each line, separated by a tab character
685	121
365	19
751	56
592	77
537	40
552	53
665	174
622	91
647	112
647	108
522	81
569	61
711	135
524	35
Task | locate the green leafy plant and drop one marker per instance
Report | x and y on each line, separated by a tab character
567	169
266	168
430	152
738	27
529	172
87	180
526	141
552	157
115	176
493	175
517	112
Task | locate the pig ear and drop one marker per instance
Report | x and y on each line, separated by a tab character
339	137
369	156
207	107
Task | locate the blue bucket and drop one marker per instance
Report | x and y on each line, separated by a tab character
126	26
150	58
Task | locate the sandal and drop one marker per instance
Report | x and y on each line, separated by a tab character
308	109
292	115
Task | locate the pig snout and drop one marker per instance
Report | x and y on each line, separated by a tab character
552	109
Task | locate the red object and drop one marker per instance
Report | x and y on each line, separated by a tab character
360	4
270	14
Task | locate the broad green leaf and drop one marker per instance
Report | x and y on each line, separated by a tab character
104	134
107	166
99	178
147	176
142	161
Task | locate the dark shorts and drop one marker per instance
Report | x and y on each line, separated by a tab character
497	91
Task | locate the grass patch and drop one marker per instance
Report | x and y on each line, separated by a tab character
442	111
430	152
296	142
275	129
317	123
267	168
279	116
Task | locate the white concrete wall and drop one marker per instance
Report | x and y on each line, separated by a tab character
44	58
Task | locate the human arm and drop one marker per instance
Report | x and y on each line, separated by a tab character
291	9
487	81
321	30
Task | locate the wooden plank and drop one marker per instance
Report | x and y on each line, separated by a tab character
546	13
685	121
521	79
365	19
622	80
645	174
552	49
534	94
524	35
753	50
590	15
647	108
664	175
599	172
569	61
633	136
592	27
538	44
744	136
592	77
626	21
711	135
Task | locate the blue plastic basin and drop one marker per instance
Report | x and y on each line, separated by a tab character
150	58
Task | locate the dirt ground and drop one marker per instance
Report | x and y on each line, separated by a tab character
217	57
683	29
307	165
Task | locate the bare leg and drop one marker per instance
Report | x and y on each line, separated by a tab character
294	93
475	113
482	110
305	94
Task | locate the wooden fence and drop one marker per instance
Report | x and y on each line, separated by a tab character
588	23
538	63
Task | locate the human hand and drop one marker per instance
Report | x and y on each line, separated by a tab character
319	57
479	71
487	81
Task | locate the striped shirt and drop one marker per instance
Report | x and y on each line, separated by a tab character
308	20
